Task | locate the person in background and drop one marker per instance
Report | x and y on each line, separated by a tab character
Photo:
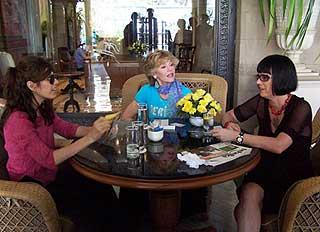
284	140
80	56
28	125
163	90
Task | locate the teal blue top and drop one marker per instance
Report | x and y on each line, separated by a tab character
158	108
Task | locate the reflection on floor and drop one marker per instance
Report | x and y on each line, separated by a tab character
96	98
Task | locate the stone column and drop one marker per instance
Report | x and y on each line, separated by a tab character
87	8
34	27
59	24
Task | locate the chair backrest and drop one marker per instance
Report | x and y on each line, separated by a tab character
300	208
217	86
27	207
316	127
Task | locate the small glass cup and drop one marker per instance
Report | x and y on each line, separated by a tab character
142	113
132	147
207	121
141	135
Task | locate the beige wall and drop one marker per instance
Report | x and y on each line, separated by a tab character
251	48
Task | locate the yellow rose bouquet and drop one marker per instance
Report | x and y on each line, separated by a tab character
198	103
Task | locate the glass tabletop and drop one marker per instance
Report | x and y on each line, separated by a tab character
160	160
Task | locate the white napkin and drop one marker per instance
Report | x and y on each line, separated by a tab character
192	160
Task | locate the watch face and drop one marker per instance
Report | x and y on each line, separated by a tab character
239	139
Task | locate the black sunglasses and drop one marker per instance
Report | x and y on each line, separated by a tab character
51	78
264	77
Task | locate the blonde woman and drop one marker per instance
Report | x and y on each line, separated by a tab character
163	90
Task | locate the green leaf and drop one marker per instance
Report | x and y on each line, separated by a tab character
272	13
291	12
284	8
261	7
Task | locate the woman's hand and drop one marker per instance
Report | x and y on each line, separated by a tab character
224	134
233	126
100	126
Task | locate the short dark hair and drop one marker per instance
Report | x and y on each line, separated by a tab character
283	71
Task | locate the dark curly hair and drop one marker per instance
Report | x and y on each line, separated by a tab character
19	96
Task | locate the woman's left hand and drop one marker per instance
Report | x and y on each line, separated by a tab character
224	134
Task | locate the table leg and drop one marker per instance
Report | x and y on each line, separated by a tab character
165	209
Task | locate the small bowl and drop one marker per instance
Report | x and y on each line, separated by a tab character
155	136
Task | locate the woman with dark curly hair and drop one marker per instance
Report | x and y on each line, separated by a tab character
28	125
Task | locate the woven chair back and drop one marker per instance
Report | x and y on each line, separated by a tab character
216	85
27	207
300	208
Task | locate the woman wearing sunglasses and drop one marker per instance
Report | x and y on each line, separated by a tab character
28	125
284	139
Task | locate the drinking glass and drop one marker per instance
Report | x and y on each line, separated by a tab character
143	113
132	146
207	118
141	135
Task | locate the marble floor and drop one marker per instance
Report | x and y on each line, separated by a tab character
96	98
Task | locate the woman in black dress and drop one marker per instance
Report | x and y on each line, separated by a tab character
284	139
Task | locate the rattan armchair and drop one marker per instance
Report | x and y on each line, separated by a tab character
29	207
300	209
216	85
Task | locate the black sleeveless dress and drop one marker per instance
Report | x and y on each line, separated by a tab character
277	172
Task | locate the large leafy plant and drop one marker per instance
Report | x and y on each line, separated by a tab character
294	10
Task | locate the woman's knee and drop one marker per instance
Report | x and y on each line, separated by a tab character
251	193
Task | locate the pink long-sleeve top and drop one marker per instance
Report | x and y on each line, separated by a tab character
30	146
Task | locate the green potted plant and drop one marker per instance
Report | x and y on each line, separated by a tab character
294	23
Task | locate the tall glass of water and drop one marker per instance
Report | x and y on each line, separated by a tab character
207	121
142	140
132	147
142	113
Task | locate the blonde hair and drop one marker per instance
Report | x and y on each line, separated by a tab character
154	60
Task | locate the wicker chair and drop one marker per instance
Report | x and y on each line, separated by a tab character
216	85
300	209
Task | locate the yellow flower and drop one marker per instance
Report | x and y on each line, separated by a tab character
192	111
213	112
196	96
181	102
218	108
187	106
204	102
188	96
200	92
208	97
202	109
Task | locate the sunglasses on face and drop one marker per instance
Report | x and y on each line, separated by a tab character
51	78
264	77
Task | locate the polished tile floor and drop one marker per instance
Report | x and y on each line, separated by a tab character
96	98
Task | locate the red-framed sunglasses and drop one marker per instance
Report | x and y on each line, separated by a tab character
264	77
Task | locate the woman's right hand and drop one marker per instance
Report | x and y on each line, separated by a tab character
99	127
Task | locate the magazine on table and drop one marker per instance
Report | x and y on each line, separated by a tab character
221	152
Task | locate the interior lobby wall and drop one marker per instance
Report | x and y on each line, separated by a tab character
13	23
251	47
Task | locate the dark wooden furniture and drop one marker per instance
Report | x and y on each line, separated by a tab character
70	88
127	67
164	184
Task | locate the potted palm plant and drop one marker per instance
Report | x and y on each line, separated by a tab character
294	23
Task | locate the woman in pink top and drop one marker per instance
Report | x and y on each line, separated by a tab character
29	123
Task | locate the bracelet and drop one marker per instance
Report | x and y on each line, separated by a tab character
226	124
